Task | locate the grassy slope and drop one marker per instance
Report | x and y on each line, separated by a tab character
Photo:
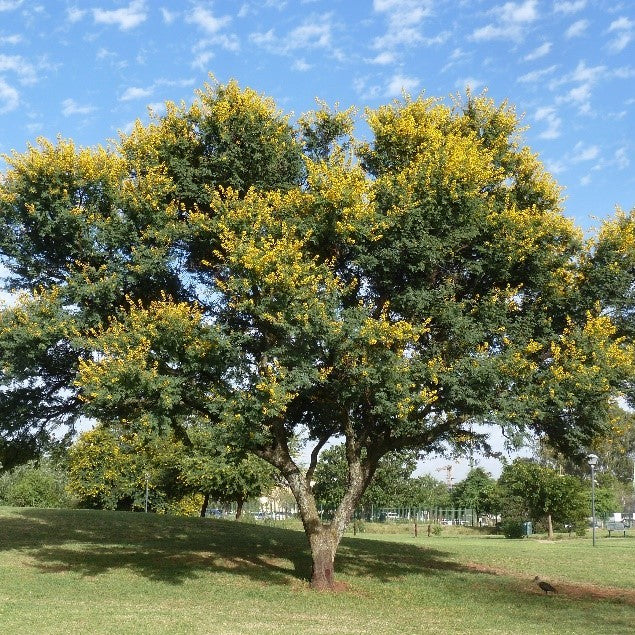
79	571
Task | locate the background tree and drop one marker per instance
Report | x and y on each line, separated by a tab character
220	474
390	486
110	467
542	495
426	492
216	266
477	491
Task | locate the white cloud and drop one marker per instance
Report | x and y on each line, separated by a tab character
509	21
9	97
399	84
366	91
585	77
18	65
585	180
621	24
311	34
549	116
622	28
537	75
620	159
264	39
384	58
576	29
207	21
301	65
9	5
569	7
135	92
11	39
584	73
157	108
518	13
73	14
202	59
71	107
315	32
582	152
125	18
555	166
404	18
468	83
168	16
539	52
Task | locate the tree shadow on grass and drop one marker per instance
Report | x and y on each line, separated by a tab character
172	550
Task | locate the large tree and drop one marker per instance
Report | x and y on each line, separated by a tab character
218	266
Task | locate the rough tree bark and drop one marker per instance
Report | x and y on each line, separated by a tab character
324	538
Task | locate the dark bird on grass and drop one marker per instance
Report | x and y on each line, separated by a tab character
545	586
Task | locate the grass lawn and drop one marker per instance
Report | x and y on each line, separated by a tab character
78	571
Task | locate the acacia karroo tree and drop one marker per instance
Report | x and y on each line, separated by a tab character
218	265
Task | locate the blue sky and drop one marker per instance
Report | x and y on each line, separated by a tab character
87	69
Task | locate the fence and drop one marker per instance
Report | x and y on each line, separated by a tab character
275	511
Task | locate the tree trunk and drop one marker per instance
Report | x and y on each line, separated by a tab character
323	546
549	527
239	509
323	538
204	505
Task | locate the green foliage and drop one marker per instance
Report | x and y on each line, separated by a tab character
35	484
392	486
223	473
512	528
537	492
607	499
478	491
110	467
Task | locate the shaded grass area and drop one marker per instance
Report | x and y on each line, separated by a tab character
67	571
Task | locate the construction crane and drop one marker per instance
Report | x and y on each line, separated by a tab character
448	478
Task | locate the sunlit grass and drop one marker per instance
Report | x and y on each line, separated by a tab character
74	571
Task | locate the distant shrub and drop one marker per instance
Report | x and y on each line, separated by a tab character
437	529
35	485
512	528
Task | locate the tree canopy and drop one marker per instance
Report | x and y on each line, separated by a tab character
217	265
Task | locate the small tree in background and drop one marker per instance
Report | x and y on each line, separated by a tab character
531	491
111	466
221	473
478	491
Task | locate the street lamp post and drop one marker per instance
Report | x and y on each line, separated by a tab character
593	461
